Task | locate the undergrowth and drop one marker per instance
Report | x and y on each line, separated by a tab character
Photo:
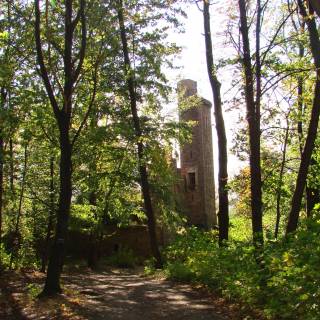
288	287
124	258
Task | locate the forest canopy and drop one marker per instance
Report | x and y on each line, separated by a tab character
85	144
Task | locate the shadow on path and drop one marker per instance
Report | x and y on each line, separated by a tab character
108	295
130	296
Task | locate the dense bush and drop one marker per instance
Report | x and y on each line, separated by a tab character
287	287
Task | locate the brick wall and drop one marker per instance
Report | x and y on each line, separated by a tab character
196	160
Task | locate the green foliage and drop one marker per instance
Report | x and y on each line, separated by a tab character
27	256
180	272
82	217
240	228
286	288
149	267
196	255
106	186
124	258
240	185
105	177
4	257
293	278
34	290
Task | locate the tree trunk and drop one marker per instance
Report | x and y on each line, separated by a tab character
93	240
11	166
63	117
315	4
136	122
93	257
221	132
253	118
305	161
149	209
1	184
283	162
50	218
16	243
52	285
309	192
2	104
300	100
313	125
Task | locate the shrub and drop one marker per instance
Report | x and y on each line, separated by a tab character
180	272
4	257
287	287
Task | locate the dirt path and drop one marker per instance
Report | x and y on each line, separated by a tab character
133	297
109	295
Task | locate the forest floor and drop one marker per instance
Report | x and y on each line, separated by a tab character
111	295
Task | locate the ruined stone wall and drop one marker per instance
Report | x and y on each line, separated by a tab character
134	238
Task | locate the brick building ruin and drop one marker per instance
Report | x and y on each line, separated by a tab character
197	191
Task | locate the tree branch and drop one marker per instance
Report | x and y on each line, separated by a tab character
43	69
83	39
270	46
95	81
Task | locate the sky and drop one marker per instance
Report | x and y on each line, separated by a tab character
193	66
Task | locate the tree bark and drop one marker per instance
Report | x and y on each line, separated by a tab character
283	162
16	244
11	166
138	132
63	118
93	239
300	98
253	118
221	132
313	125
52	284
1	183
310	200
2	103
315	4
50	218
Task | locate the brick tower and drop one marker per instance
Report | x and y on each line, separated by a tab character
196	160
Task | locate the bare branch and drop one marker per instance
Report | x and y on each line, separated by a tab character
290	73
270	46
278	128
197	3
